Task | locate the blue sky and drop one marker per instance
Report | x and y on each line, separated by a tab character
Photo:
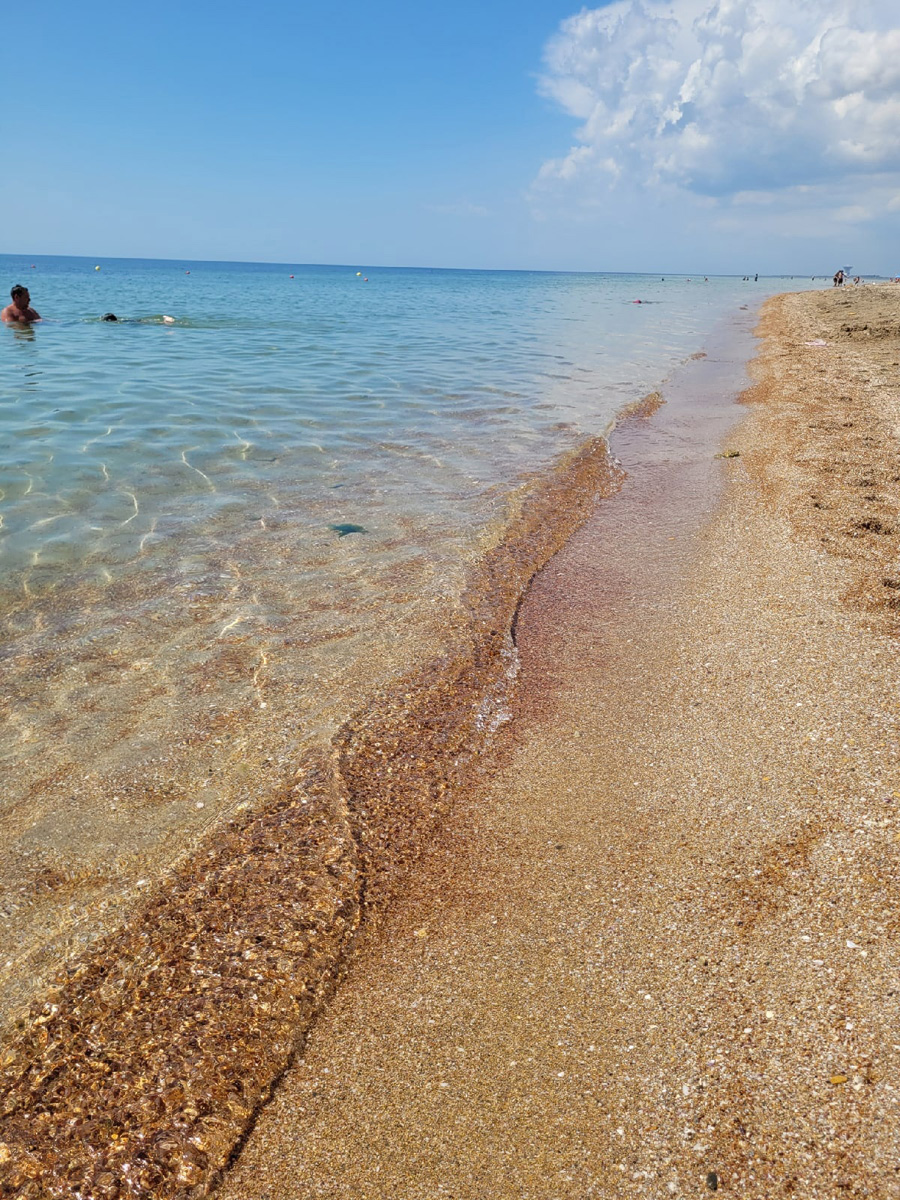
743	135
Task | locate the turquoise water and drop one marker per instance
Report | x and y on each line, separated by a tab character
279	388
220	534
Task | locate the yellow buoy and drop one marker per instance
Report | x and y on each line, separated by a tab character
96	268
359	272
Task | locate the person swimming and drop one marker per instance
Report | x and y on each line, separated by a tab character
167	320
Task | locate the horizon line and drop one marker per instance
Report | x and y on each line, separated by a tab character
407	267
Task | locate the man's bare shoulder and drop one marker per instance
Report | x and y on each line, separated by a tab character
11	313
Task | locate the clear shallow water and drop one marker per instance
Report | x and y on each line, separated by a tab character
182	617
125	443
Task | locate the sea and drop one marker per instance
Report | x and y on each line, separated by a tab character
239	514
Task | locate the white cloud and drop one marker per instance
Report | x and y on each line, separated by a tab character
728	98
852	214
574	162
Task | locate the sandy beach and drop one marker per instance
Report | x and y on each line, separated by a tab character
657	954
650	946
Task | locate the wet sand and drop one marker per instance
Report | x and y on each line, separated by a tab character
654	952
138	1070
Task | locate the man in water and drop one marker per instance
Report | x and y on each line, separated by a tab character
20	311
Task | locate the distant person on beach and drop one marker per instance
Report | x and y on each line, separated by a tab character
839	279
20	311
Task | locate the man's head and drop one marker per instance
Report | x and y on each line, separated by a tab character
20	297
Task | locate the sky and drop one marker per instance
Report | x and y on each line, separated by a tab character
737	136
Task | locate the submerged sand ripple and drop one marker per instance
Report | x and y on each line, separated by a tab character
134	1075
141	1071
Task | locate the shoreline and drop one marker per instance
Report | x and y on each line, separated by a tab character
236	948
191	1131
184	616
655	953
184	690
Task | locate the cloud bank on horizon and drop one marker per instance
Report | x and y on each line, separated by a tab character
736	103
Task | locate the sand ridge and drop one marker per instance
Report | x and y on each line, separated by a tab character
138	1073
656	953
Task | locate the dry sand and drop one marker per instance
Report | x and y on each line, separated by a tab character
656	954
